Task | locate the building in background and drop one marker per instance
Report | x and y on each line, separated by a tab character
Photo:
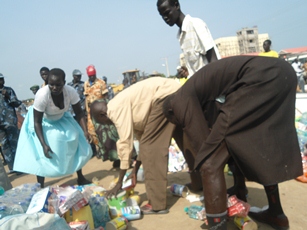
228	46
247	41
290	54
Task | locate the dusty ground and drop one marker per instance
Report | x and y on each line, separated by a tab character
293	197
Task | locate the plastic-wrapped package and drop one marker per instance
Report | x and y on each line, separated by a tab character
17	200
44	201
100	210
68	197
196	212
237	207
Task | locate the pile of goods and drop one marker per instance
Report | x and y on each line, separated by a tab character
70	207
301	129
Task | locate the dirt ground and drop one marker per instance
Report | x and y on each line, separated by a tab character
293	196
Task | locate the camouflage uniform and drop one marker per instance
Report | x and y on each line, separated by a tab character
8	125
79	87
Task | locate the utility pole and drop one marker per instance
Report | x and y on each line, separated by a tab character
166	65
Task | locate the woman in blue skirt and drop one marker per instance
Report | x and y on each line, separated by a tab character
51	143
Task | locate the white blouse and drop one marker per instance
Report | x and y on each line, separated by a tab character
43	102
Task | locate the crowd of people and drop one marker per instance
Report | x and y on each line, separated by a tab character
237	111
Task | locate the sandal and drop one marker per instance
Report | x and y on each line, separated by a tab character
147	210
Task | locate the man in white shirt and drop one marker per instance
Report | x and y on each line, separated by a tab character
194	37
196	43
299	73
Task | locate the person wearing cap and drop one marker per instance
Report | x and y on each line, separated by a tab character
8	122
78	85
94	89
34	89
110	89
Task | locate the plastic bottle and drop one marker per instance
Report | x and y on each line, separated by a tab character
100	210
302	139
196	212
1	190
23	205
16	209
303	118
96	211
4	211
131	212
140	175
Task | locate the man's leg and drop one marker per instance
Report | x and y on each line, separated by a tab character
189	155
81	179
154	146
239	188
212	171
4	161
41	180
4	180
301	83
9	139
274	215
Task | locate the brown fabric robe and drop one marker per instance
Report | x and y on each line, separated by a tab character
249	102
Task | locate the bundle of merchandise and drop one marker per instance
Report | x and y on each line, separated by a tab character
90	212
17	200
239	210
125	206
71	207
301	129
176	160
196	212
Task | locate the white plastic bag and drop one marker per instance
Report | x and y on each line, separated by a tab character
36	221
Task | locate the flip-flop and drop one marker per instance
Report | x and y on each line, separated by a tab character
147	210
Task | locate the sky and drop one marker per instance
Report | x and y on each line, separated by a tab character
116	36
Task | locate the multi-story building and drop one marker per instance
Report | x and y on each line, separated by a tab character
248	40
228	46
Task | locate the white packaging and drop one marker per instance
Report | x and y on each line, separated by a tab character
140	175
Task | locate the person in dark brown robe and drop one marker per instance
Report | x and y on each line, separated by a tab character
241	107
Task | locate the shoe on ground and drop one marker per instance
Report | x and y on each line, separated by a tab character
16	172
83	181
279	222
147	210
